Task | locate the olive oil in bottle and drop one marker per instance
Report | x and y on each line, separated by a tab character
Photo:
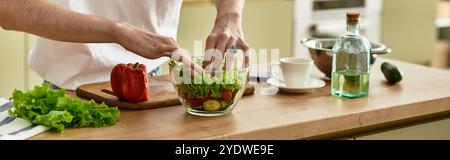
351	62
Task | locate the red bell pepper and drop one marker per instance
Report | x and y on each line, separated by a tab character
129	82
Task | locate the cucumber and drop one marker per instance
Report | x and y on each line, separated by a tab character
225	104
212	105
373	58
392	74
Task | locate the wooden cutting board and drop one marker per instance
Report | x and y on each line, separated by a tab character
162	94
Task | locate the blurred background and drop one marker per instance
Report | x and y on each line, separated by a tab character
418	31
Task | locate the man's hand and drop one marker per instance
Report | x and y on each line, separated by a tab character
145	44
227	31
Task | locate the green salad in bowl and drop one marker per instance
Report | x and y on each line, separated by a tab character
209	93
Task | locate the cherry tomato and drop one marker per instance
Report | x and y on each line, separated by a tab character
227	95
197	101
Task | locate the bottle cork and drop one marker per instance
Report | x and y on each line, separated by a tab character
353	17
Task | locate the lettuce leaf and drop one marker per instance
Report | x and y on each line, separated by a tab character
230	79
54	119
54	109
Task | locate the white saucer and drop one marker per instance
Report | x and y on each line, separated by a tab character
313	83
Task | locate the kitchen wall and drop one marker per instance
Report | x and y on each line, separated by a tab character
408	28
12	62
14	72
267	24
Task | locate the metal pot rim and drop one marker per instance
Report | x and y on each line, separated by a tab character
377	48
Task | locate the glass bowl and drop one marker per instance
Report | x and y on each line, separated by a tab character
212	93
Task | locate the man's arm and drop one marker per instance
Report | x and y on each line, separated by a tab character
227	31
230	8
45	19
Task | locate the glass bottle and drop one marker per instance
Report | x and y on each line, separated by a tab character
351	62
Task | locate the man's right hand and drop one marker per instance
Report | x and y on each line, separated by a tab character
143	43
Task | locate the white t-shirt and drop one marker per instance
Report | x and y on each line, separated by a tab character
68	65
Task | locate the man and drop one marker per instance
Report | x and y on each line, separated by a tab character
83	39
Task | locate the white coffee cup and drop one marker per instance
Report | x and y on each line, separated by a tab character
295	72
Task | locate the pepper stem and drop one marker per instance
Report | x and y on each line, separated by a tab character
135	66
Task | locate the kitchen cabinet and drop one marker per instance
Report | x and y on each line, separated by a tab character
443	14
441	58
326	19
429	130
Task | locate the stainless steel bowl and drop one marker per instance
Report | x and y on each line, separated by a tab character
322	54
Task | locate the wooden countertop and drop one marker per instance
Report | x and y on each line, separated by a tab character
423	92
